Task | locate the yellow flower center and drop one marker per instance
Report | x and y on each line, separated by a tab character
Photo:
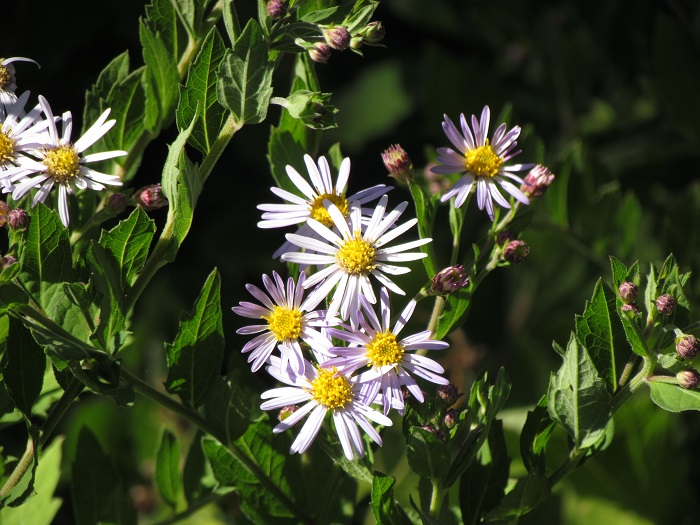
483	161
285	323
7	148
356	256
384	350
5	77
62	163
319	212
329	391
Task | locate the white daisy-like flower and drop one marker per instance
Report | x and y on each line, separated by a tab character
376	345
322	391
351	257
8	83
288	319
60	161
299	210
482	161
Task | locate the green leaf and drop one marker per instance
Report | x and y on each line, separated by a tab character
427	454
313	108
167	477
43	506
24	364
97	492
601	332
384	506
578	398
673	397
483	484
650	292
127	102
535	437
284	151
11	296
227	407
198	96
161	68
112	74
197	478
24	488
426	206
245	77
106	279
194	357
162	19
527	495
231	22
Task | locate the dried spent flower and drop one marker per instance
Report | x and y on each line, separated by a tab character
516	251
398	163
687	346
449	280
628	292
666	304
688	378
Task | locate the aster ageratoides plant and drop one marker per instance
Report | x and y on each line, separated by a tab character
483	162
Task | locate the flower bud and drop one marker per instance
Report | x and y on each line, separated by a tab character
320	52
398	163
688	378
632	309
451	418
116	203
4	212
287	411
7	260
666	304
150	197
373	33
337	37
516	251
429	428
504	237
537	181
448	393
18	219
628	292
687	346
449	280
276	9
356	42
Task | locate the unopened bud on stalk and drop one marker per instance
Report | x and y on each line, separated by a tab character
4	212
18	219
628	292
373	33
398	163
688	378
666	304
516	251
287	411
687	346
449	280
448	393
337	37
7	260
631	308
451	418
116	203
537	181
151	197
320	52
276	9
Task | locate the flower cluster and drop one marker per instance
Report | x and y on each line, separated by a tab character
33	155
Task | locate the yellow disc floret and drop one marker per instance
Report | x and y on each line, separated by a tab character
356	256
5	77
319	212
329	391
483	161
285	323
384	349
7	148
62	163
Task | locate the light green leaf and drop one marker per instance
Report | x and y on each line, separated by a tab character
24	365
245	77
194	357
199	94
231	22
426	206
168	478
578	398
673	397
162	68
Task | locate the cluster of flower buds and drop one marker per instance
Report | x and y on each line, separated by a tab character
333	37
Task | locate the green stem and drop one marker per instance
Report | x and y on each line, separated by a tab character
436	498
438	307
627	371
566	468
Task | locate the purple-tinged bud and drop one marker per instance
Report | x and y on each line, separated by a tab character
537	181
451	418
116	203
7	260
276	9
286	412
516	251
688	378
429	428
449	280
504	237
448	393
628	292
151	197
4	213
373	33
398	163
320	52
666	304
337	37
687	346
631	308
18	219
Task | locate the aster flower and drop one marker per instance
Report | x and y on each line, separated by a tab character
288	319
482	161
351	257
322	391
376	345
299	210
60	161
7	79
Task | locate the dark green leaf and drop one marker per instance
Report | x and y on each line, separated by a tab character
162	68
427	454
194	357
24	488
245	77
227	407
126	100
112	74
527	494
284	151
24	366
535	437
162	19
198	95
106	278
426	206
11	296
384	507
167	477
198	479
674	398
